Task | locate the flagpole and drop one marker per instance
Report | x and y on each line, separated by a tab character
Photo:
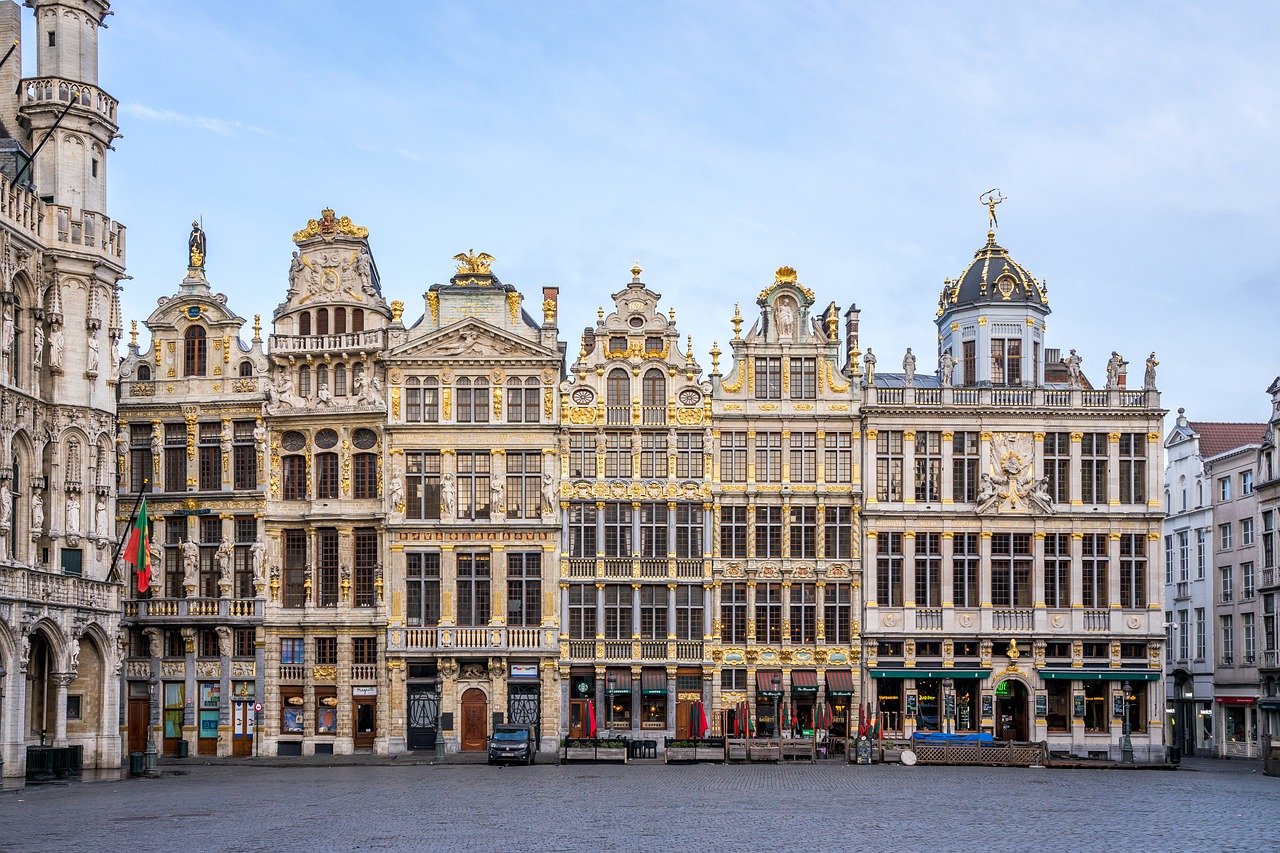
113	575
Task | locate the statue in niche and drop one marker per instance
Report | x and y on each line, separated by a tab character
364	272
6	345
448	493
37	514
6	507
73	514
100	516
122	440
190	564
548	494
56	347
94	355
37	354
397	493
786	318
258	558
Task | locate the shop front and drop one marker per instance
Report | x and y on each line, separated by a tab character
804	700
618	692
768	701
939	700
423	705
653	699
840	700
583	722
1238	725
524	697
1088	711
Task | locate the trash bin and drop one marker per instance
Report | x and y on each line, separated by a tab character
182	749
137	764
1175	754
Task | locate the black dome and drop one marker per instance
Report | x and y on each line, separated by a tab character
992	278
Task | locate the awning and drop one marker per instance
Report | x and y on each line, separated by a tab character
617	681
804	681
769	682
1101	675
1235	700
653	682
930	673
839	682
1269	704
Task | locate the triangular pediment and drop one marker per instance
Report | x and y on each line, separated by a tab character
470	340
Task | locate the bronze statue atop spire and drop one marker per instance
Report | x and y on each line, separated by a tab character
991	198
196	248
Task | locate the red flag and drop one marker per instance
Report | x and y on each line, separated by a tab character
137	552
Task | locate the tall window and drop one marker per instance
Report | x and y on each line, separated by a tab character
524	484
1093	467
804	457
1228	640
733	531
804	604
653	612
1006	361
1226	575
175	458
769	613
140	463
175	531
1057	465
838	458
246	533
768	457
804	532
522	400
837	539
422	484
689	531
326	476
1202	628
653	397
582	530
244	456
1247	635
582	455
838	619
524	589
1093	569
928	570
339	321
582	612
617	612
364	476
928	466
964	569
964	467
1133	468
889	466
364	651
617	454
473	400
769	531
689	455
210	456
1133	570
322	321
422	576
365	566
210	539
295	476
618	397
733	613
804	378
889	570
617	530
969	361
1268	539
653	530
473	589
473	485
1184	555
1011	570
295	567
422	400
653	454
689	609
327	566
195	353
733	457
1057	570
768	378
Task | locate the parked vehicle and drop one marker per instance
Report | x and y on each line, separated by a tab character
510	744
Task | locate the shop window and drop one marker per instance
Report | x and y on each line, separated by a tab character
1058	706
733	679
73	706
619	711
326	711
653	712
175	700
1137	707
291	710
967	717
1096	713
889	699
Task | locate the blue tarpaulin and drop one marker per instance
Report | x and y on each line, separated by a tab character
943	737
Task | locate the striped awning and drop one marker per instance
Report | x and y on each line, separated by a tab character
839	682
804	681
769	682
617	681
653	682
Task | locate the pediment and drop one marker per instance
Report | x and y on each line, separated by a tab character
471	340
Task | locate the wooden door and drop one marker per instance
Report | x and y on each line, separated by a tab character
365	713
579	718
242	720
475	722
683	709
139	720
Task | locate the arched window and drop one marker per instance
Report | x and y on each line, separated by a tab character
654	397
195	358
144	373
14	512
322	377
357	319
339	321
515	400
15	345
618	397
304	323
322	321
304	381
246	368
340	380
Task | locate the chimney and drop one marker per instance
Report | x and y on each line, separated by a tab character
550	305
588	340
851	333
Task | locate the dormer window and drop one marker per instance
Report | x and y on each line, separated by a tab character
195	352
144	373
617	343
1006	361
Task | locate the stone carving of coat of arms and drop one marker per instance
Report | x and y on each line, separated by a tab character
1011	484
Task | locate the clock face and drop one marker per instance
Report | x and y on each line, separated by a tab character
582	396
690	397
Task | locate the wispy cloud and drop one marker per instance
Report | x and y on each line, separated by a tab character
222	127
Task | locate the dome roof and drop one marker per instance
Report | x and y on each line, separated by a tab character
992	278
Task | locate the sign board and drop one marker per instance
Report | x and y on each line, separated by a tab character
911	705
370	690
257	707
524	670
988	706
1042	705
1078	709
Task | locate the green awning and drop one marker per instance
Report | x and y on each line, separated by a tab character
1101	675
617	681
930	673
653	682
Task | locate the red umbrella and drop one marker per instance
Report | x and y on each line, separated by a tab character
591	717
702	720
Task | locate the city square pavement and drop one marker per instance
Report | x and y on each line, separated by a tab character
609	807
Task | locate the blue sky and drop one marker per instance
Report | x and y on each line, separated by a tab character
1136	144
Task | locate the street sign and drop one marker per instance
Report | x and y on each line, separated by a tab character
257	707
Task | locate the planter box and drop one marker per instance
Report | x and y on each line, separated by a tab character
680	753
709	753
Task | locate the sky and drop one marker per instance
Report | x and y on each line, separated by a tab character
714	142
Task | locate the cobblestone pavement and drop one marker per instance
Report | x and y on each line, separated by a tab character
609	807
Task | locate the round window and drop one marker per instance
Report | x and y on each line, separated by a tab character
690	397
293	441
582	396
364	439
636	322
326	438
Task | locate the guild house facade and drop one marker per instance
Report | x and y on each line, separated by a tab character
388	537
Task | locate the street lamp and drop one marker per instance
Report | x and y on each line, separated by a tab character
1126	745
776	680
149	765
612	680
948	700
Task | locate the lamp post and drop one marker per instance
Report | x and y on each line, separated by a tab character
776	680
3	673
948	700
1126	745
149	765
612	681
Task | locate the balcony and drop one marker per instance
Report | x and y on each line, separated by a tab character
929	619
1019	619
351	341
653	568
1097	621
493	638
582	567
212	609
1271	660
34	585
689	569
1268	578
364	672
291	672
1013	398
616	567
56	91
683	651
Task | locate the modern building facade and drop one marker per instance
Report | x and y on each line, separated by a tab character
61	261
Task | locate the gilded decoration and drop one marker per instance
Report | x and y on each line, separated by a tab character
433	306
328	226
785	276
470	263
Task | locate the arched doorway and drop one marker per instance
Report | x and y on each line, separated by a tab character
41	711
475	720
85	700
1011	710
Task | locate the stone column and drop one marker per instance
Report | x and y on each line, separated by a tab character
948	479
599	611
635	696
1113	570
948	566
869	583
1076	490
1113	469
448	586
1077	571
498	585
1037	570
61	681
